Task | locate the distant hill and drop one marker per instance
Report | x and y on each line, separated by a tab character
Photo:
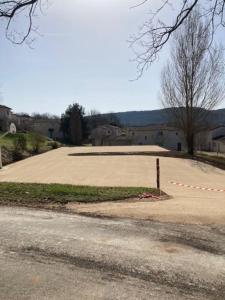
160	116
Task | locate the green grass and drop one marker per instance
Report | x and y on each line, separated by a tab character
8	140
28	193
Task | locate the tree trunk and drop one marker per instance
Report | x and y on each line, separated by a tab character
190	144
75	129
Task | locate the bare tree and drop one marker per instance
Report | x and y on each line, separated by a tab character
44	116
95	119
193	79
156	32
11	9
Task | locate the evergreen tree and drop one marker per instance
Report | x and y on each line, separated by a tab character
73	124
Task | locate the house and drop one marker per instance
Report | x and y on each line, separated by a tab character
47	127
163	135
212	140
22	121
108	135
5	117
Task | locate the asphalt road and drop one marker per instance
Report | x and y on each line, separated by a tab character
47	255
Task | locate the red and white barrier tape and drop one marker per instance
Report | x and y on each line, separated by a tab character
148	195
196	187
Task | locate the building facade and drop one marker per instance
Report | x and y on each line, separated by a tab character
47	127
212	140
5	118
25	123
161	135
108	135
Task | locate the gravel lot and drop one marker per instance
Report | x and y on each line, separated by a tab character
186	206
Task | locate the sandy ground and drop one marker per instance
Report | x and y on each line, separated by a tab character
48	255
186	206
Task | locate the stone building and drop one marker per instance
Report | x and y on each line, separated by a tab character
23	122
47	127
212	140
5	117
169	137
162	135
108	135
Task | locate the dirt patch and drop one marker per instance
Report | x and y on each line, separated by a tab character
173	211
70	207
171	248
192	242
7	156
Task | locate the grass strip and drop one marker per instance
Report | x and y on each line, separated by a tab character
31	193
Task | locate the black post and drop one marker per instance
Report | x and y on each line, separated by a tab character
158	173
0	157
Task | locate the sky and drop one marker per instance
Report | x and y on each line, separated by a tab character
81	55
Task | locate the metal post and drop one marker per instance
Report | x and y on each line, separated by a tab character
0	157
158	173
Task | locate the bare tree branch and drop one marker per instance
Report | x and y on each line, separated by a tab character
11	9
155	32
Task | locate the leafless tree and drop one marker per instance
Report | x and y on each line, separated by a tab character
193	80
154	34
44	116
10	10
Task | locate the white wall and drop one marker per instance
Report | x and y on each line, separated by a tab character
162	137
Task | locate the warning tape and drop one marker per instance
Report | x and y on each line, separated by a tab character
196	187
148	195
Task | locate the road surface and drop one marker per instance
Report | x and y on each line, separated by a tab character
46	255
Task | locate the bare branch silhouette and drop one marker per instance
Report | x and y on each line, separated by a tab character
10	10
155	33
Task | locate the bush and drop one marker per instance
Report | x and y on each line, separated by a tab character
36	141
20	143
53	144
17	155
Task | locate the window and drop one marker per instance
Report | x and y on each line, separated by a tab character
160	133
146	138
50	132
133	134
